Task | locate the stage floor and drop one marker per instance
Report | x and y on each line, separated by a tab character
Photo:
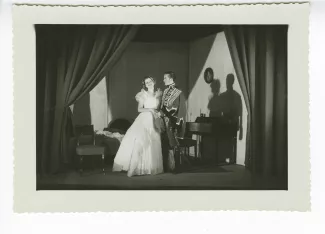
208	177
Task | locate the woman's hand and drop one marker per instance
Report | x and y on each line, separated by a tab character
158	93
152	110
155	113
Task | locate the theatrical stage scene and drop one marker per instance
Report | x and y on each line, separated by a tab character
161	107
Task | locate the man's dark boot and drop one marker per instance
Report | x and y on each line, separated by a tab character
177	161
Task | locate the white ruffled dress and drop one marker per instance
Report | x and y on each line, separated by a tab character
140	152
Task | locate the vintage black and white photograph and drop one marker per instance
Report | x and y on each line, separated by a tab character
161	107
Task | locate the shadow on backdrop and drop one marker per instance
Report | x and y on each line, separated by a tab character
213	105
227	108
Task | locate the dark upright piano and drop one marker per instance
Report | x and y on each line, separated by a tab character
218	139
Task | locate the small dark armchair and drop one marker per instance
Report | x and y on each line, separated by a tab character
86	145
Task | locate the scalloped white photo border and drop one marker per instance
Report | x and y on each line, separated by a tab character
27	199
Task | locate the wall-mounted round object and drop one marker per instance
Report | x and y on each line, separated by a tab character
208	75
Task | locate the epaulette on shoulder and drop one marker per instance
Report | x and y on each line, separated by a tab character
176	87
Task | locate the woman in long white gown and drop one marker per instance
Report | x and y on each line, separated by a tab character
140	152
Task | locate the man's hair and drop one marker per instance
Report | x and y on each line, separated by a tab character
171	75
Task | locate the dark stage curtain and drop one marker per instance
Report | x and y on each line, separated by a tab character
259	54
71	61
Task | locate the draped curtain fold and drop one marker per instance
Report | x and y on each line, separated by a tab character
259	55
71	61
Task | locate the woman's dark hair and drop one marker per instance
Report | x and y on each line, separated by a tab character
171	75
144	82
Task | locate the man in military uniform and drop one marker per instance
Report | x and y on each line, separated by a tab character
172	111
